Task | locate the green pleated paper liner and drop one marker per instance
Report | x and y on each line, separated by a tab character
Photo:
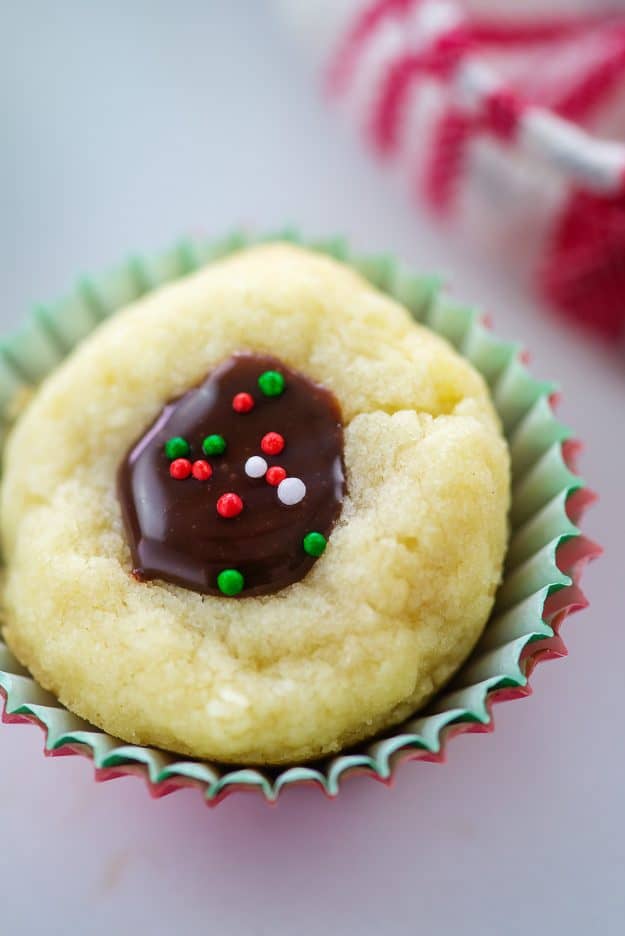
546	553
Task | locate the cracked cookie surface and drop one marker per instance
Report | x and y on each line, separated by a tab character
382	619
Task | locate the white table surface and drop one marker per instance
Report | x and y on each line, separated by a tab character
124	126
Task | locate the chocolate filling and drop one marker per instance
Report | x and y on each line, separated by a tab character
174	529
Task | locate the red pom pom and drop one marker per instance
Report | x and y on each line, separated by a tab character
584	272
275	475
243	402
180	468
272	443
229	505
201	470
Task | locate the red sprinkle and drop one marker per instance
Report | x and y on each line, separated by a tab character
201	470
180	468
243	402
272	443
229	505
275	475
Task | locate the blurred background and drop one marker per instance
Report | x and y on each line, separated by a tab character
126	126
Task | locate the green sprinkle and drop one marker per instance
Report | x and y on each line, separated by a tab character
314	544
271	383
214	445
230	582
176	447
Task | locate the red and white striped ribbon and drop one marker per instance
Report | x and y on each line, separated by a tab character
514	119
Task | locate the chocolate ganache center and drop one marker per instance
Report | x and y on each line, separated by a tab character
235	487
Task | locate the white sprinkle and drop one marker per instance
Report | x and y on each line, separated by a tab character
255	467
291	491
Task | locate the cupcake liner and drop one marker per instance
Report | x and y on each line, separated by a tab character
545	559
